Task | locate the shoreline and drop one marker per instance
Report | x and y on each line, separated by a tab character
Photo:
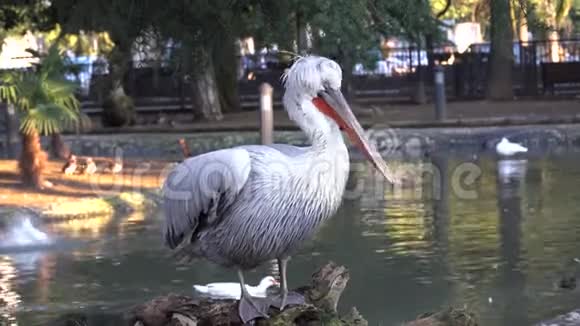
137	188
70	208
391	142
286	125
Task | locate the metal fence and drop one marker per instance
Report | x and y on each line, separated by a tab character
540	68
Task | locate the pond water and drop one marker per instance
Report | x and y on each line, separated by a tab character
497	246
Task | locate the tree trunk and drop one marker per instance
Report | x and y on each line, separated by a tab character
556	13
420	96
347	84
347	63
118	107
429	45
156	70
301	34
205	94
226	58
521	23
59	149
32	160
553	37
499	84
523	30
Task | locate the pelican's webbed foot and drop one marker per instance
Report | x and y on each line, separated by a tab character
291	298
252	308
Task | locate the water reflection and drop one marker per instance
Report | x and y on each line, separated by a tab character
10	298
509	170
413	251
84	228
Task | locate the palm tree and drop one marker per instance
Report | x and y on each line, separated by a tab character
46	104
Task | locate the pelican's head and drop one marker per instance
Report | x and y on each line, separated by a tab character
311	75
316	81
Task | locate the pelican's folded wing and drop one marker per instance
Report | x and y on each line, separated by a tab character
193	191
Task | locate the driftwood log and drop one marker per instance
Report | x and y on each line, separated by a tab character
322	297
569	319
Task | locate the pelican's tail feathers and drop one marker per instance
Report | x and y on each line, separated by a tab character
185	254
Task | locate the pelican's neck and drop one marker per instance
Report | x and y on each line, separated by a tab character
323	133
326	163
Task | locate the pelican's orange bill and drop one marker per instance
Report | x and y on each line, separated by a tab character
332	104
323	107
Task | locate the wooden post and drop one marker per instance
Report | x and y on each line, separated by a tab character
266	136
266	113
440	99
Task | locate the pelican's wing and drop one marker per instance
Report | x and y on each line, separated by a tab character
196	187
288	150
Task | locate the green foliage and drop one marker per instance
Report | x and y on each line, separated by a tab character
341	28
16	17
346	30
464	10
349	31
44	98
124	20
575	16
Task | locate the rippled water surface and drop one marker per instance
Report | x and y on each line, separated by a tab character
498	246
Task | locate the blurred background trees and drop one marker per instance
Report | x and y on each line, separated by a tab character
201	39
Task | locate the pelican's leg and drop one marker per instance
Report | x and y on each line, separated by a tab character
286	297
282	264
250	308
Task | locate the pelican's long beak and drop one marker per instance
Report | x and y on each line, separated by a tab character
333	104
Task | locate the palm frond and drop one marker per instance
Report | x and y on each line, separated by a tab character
8	93
44	98
58	87
9	87
48	119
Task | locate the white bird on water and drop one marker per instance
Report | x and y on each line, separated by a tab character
231	290
507	148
